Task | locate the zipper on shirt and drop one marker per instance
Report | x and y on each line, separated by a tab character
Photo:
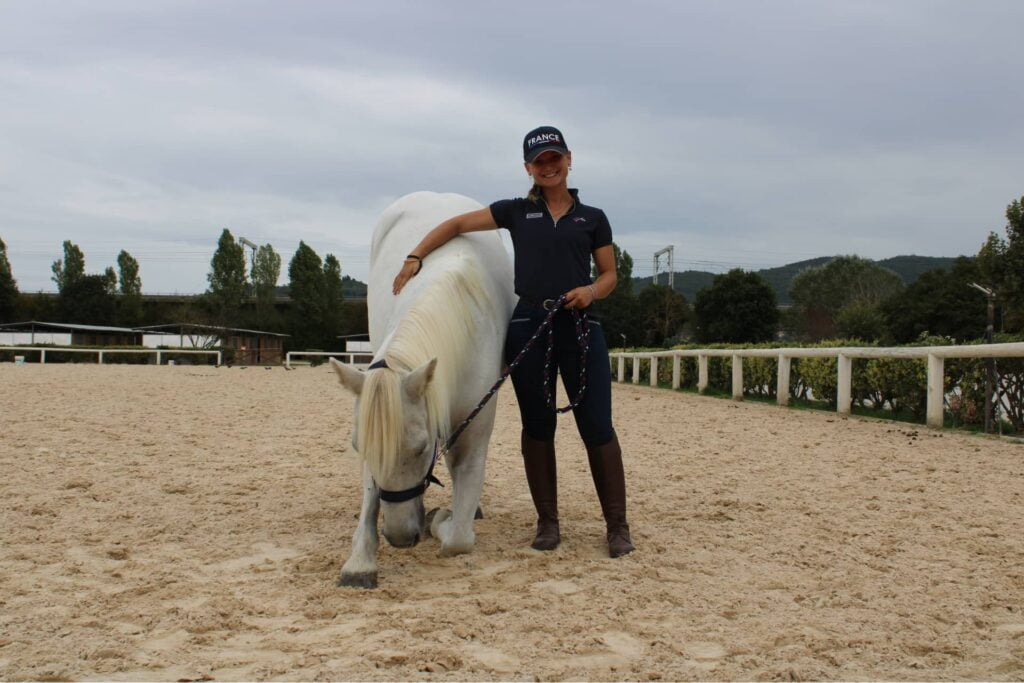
553	221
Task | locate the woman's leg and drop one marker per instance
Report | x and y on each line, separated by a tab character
538	437
594	421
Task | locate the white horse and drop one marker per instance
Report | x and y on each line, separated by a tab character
437	350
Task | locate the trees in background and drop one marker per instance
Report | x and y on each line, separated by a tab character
664	312
843	296
940	302
619	312
738	308
90	300
70	268
333	312
227	280
306	288
1001	266
266	271
8	287
130	300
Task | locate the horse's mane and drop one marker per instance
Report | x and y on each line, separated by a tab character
441	324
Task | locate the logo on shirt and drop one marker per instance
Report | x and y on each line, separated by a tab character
579	219
535	215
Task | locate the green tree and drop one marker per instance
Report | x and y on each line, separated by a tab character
738	308
8	287
88	300
130	303
1001	266
307	292
939	302
70	268
823	292
619	312
128	269
333	300
227	280
664	312
266	271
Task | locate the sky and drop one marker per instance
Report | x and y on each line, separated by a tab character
744	133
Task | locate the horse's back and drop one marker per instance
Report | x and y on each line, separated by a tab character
401	227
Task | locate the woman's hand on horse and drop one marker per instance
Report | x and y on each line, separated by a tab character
581	297
408	271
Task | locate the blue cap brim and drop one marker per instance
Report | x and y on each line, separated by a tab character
549	148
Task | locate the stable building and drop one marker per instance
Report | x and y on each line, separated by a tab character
33	332
246	347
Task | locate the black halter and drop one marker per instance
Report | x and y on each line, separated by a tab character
420	488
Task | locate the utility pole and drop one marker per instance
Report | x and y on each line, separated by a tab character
252	245
670	250
990	363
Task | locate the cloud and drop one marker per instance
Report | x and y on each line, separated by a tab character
744	133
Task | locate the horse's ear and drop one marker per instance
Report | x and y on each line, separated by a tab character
415	383
351	378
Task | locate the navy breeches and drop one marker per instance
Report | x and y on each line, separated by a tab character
594	413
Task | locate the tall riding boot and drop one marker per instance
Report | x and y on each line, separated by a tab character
610	481
539	458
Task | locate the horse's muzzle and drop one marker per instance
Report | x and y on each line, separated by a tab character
402	541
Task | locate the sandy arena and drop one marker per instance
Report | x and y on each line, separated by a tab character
189	523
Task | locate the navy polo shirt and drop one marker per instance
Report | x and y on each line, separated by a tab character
551	258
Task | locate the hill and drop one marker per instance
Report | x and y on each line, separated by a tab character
909	268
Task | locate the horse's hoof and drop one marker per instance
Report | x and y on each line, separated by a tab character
429	519
359	580
479	513
436	518
453	550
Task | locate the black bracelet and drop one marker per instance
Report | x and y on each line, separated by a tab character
419	260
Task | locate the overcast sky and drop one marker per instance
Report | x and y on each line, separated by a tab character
746	134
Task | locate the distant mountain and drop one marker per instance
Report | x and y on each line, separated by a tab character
689	282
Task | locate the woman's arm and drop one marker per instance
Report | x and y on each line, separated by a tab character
607	279
481	219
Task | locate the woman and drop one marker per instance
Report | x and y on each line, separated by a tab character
554	237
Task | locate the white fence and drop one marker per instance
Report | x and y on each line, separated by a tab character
333	354
935	356
100	353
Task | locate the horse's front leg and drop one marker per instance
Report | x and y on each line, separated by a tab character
467	469
360	570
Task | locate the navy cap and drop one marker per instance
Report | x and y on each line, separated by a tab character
543	139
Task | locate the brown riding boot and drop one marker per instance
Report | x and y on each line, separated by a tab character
539	459
610	482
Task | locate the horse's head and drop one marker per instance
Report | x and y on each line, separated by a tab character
391	432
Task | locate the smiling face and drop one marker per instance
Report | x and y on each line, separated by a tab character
550	169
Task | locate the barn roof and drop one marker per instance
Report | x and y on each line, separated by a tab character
67	327
181	327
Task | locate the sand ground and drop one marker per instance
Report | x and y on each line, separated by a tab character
190	522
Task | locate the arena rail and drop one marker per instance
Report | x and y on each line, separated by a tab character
101	352
333	354
935	355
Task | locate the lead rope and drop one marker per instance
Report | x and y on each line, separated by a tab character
582	337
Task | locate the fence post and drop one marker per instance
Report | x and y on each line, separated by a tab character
702	373
42	357
654	371
844	386
159	356
218	359
936	379
101	358
737	378
782	383
636	369
622	368
676	361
